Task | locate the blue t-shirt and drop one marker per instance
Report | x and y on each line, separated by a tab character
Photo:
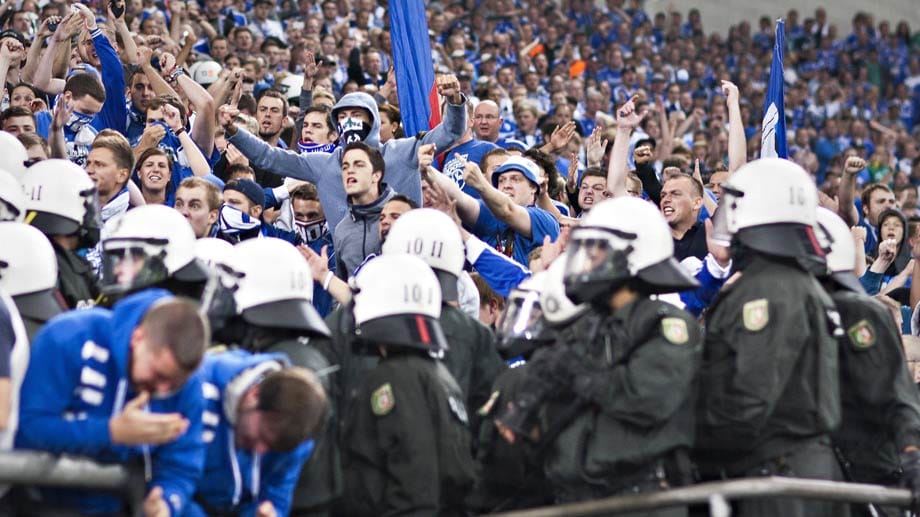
473	151
501	237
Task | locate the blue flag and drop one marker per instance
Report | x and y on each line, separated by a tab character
418	96
773	129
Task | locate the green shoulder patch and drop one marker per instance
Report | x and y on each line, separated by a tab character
675	330
382	400
487	407
862	334
756	314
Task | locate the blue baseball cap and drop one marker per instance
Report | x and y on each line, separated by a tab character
515	163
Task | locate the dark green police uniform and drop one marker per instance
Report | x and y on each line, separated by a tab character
510	475
769	384
406	447
881	404
636	389
76	279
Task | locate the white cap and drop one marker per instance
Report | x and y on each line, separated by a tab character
205	72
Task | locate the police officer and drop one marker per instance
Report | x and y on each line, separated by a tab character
406	443
879	435
274	300
260	417
769	385
511	475
28	273
619	412
62	203
434	237
152	245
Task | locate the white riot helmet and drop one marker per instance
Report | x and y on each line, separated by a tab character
12	200
837	241
557	308
622	241
290	86
28	271
61	199
213	251
275	288
14	156
146	246
521	328
769	206
433	237
397	302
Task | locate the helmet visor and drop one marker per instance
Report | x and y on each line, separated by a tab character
522	318
594	254
129	264
723	224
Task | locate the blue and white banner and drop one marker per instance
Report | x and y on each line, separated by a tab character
773	128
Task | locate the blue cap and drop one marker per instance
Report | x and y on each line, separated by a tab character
250	189
515	163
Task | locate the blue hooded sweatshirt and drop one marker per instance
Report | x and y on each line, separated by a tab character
237	481
78	379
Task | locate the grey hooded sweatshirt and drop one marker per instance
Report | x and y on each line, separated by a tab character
356	236
325	170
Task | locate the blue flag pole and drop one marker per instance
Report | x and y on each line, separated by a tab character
418	98
773	128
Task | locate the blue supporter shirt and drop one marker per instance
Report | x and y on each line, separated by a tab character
472	151
501	237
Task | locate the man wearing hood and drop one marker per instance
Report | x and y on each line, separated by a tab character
115	386
357	236
358	120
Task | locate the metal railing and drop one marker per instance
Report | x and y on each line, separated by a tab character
32	468
716	494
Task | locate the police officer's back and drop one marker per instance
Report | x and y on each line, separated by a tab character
769	385
433	237
406	444
627	418
880	428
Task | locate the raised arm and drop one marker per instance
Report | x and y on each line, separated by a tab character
286	163
502	206
197	162
846	190
737	143
467	206
205	108
627	120
43	79
33	56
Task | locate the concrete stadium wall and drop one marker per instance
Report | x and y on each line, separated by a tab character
718	15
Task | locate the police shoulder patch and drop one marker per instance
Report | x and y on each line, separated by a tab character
675	330
382	400
756	314
487	407
862	334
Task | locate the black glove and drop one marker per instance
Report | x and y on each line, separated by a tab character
910	466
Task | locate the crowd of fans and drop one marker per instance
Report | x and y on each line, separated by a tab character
267	119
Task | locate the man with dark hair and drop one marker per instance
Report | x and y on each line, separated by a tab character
84	96
357	236
271	110
141	95
311	225
590	189
317	133
262	414
117	385
17	120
